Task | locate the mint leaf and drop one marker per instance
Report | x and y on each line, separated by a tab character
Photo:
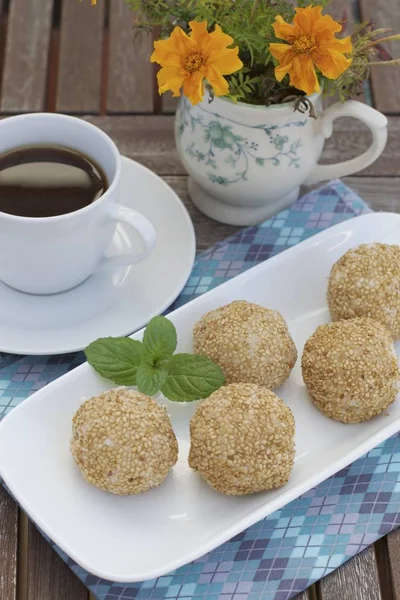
191	377
150	378
117	358
159	339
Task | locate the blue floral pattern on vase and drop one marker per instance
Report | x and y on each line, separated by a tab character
225	145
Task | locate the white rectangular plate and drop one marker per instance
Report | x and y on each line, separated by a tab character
129	539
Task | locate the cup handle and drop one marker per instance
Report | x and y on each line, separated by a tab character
375	121
141	226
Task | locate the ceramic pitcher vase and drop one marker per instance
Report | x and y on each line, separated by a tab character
246	163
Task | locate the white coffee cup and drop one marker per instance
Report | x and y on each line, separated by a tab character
53	254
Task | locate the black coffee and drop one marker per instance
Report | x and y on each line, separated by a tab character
46	181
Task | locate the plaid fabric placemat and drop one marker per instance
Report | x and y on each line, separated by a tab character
309	538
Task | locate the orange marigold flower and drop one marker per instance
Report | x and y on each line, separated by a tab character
187	60
311	43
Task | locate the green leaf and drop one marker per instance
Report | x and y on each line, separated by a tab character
191	377
260	161
116	358
150	378
159	338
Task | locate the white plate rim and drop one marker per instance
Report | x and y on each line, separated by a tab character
245	522
29	351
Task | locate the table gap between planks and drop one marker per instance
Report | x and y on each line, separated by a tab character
65	56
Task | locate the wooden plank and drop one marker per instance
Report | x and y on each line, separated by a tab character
380	193
8	546
22	565
304	596
169	104
26	58
48	577
342	10
393	541
147	139
80	62
130	73
384	570
385	80
3	32
150	140
356	580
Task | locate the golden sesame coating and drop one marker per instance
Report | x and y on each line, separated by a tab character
242	440
250	343
123	442
350	369
365	282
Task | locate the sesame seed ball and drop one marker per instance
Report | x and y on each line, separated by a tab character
365	282
242	440
350	369
250	343
123	442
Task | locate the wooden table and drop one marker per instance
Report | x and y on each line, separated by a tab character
62	55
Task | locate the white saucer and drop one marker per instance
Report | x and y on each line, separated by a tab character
116	302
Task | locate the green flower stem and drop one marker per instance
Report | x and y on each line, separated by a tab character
390	38
256	4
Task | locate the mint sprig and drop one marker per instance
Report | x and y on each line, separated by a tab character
152	366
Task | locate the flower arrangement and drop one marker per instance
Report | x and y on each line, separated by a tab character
259	52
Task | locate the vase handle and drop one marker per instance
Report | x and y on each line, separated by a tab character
375	121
